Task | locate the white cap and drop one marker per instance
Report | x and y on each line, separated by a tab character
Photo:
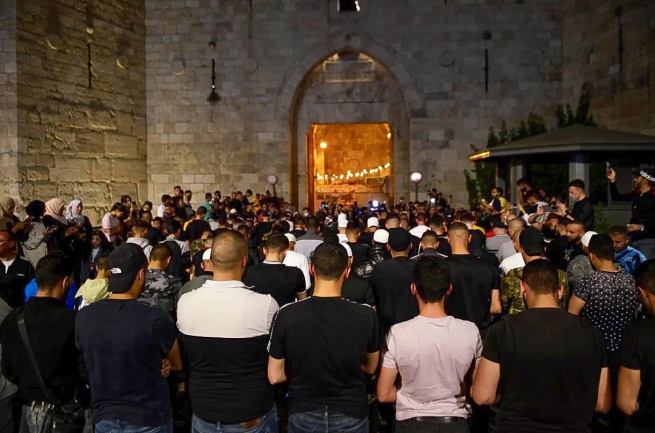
342	216
381	236
347	247
291	237
372	222
207	255
587	237
342	224
233	211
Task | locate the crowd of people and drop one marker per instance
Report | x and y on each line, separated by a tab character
245	314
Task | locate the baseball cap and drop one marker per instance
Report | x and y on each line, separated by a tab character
532	241
125	262
372	222
207	255
647	173
291	237
381	236
343	223
586	238
399	239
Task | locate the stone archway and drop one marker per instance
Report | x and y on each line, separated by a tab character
307	98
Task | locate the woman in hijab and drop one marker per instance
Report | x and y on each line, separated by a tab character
36	245
64	235
82	244
9	221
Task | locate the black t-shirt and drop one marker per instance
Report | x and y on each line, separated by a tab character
550	363
280	281
638	353
473	280
366	238
324	342
444	246
360	252
124	343
583	210
556	252
358	289
392	280
195	229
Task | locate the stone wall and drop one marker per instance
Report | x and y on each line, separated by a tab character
434	52
8	133
621	97
75	141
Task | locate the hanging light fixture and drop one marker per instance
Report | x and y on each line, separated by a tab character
213	96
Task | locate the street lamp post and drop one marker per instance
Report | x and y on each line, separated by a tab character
416	178
272	180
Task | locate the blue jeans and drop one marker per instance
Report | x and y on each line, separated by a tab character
118	426
325	422
269	423
646	246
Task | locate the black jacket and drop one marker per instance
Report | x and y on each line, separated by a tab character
377	255
643	209
14	280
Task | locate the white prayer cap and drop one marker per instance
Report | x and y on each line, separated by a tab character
381	236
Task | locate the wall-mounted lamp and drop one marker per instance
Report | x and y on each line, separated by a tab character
323	145
213	96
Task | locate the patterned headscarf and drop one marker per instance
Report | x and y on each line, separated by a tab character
53	208
71	212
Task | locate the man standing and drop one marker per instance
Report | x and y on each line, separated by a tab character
475	294
297	260
583	207
429	244
50	329
392	280
420	226
636	390
500	237
224	332
271	277
642	223
360	251
15	271
161	288
328	345
543	354
626	256
606	297
434	354
497	205
128	347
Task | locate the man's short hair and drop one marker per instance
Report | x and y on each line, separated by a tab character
602	247
432	278
523	181
10	235
499	189
467	218
229	247
436	220
458	230
429	238
516	224
577	183
541	276
645	276
330	261
52	269
165	198
119	206
173	226
276	243
160	253
420	217
141	227
312	223
618	231
201	210
188	191
352	229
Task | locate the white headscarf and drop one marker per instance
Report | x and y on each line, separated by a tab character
71	212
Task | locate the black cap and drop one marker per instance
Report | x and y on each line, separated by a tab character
532	242
124	263
647	173
399	239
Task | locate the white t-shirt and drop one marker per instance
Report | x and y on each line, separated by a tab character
432	357
109	222
512	262
301	262
418	231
